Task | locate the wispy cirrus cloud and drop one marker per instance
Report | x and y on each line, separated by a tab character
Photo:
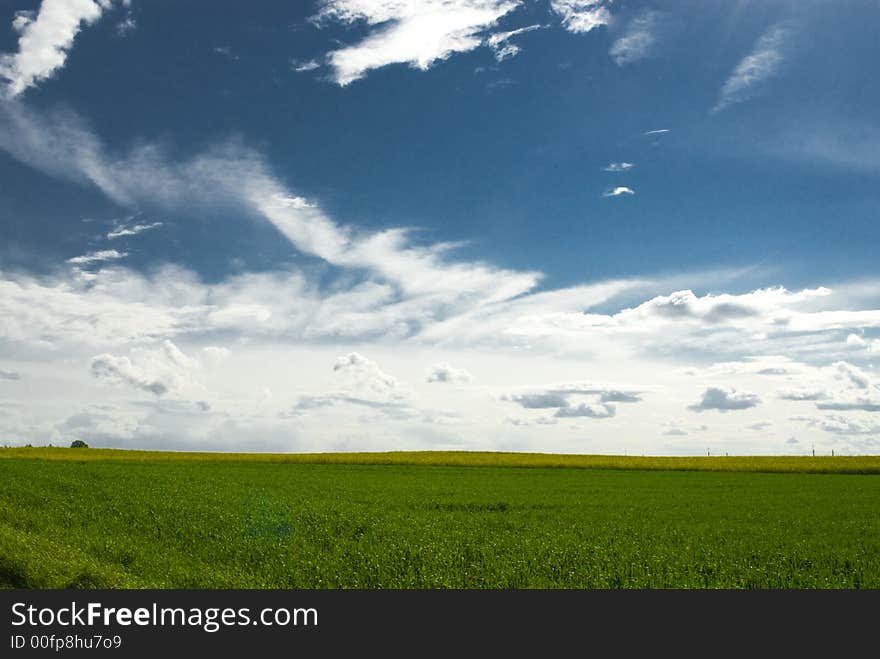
131	230
418	33
308	65
618	166
238	177
757	68
500	43
639	38
97	257
619	191
45	39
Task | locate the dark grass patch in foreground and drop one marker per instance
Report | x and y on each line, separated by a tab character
245	524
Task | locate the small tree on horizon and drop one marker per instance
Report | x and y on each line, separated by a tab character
78	443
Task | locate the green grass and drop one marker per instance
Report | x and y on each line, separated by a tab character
94	518
799	464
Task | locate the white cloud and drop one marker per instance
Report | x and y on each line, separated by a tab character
499	42
618	191
132	230
159	371
538	401
418	33
126	26
861	403
416	278
618	166
444	372
856	341
364	375
841	425
399	302
802	394
638	40
97	257
568	401
851	374
309	65
9	375
725	399
658	131
21	19
46	39
592	411
580	16
758	67
214	355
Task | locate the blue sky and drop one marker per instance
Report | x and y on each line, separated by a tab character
567	225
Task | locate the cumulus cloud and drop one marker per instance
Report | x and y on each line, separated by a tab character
444	372
618	191
45	39
363	374
802	394
638	40
769	308
861	403
723	400
538	401
98	257
161	370
618	166
858	342
757	68
127	25
560	397
382	287
120	369
418	33
841	425
600	411
580	16
131	230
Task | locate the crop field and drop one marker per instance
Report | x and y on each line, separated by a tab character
91	518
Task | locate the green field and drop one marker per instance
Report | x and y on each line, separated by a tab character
128	519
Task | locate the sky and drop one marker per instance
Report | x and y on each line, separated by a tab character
567	226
